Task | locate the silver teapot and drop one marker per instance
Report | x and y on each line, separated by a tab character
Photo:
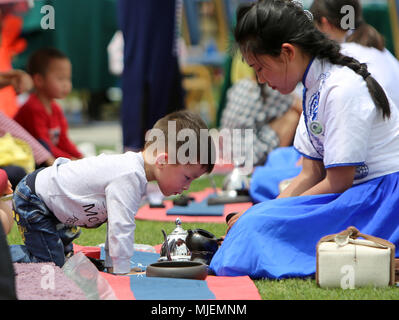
174	247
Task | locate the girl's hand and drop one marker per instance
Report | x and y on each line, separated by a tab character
233	220
297	105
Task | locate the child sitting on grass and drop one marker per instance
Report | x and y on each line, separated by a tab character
106	188
41	116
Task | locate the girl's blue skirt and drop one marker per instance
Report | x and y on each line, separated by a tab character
281	164
277	238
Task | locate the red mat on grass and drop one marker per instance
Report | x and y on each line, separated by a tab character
159	214
223	288
213	288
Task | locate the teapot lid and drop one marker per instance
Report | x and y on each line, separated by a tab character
179	230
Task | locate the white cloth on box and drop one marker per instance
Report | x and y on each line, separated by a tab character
359	263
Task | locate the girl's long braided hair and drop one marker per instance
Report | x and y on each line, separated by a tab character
263	27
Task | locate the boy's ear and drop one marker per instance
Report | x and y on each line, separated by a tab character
38	80
161	159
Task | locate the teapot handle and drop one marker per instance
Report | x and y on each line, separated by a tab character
166	245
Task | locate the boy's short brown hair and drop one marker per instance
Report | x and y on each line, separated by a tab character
39	61
185	119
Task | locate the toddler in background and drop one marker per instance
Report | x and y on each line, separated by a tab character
41	116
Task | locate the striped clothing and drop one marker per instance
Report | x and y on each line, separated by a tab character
8	125
247	109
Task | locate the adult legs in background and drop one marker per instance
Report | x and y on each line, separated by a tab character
151	81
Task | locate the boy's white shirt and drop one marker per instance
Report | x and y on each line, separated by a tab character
91	191
343	125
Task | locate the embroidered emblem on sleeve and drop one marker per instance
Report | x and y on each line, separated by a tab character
316	128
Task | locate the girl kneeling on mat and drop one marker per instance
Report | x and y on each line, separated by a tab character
348	134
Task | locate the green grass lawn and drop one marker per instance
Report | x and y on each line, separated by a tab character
149	232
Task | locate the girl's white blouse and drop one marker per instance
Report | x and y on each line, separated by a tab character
341	126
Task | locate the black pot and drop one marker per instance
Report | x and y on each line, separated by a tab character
204	257
201	240
178	269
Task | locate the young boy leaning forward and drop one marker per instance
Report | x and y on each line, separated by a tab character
106	188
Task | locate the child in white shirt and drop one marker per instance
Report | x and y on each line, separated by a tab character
107	188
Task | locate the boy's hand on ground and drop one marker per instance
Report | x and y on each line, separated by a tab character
135	270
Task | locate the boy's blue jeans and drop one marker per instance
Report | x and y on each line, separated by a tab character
46	238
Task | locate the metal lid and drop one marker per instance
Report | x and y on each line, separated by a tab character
179	229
